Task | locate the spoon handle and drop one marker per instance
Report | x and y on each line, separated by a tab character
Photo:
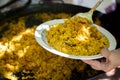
96	5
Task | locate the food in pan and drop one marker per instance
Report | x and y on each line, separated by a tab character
76	36
21	58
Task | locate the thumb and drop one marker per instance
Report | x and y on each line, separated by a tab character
105	52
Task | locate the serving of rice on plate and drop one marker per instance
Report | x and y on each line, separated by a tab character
76	36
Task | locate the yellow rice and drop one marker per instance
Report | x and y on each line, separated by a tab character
77	37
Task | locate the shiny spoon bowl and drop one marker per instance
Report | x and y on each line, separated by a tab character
89	14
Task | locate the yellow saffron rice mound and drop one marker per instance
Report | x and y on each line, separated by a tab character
76	36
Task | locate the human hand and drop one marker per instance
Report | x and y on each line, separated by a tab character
112	60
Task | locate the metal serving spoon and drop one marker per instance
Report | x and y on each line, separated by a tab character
89	14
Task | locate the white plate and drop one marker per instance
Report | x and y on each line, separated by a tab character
40	35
